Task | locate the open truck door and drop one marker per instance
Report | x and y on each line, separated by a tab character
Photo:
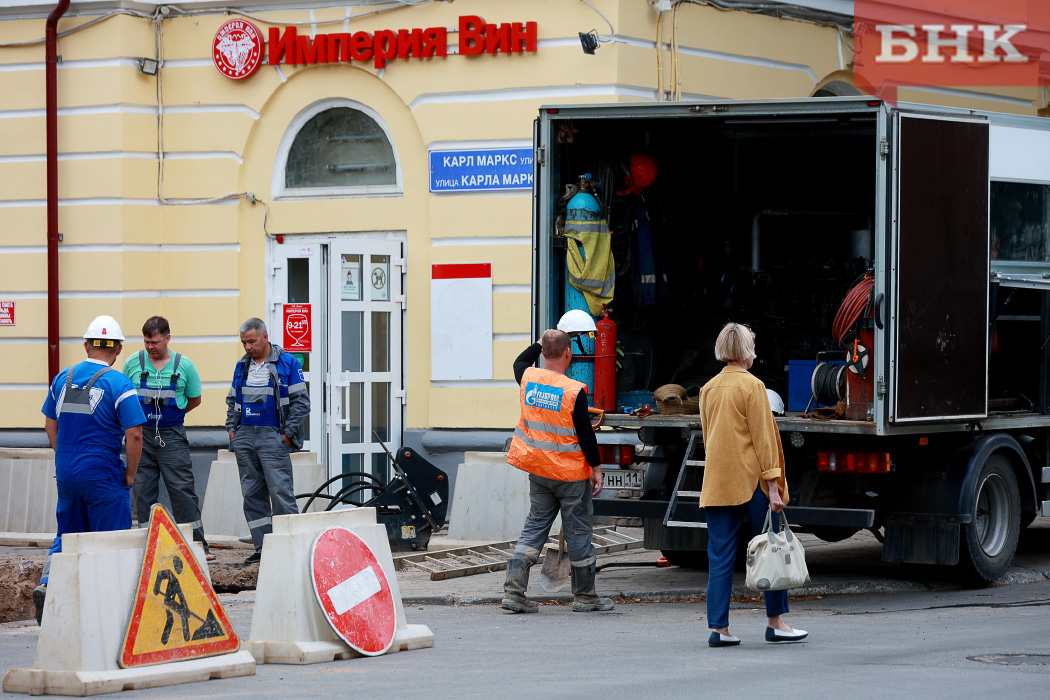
938	271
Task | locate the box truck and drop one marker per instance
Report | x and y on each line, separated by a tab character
894	263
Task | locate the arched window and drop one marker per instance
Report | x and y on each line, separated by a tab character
337	149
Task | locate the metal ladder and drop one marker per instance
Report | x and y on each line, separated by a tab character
493	556
689	465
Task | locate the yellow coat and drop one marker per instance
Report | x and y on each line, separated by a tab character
741	439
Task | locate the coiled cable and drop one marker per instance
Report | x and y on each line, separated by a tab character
852	309
828	383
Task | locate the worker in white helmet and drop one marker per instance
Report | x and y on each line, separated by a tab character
89	411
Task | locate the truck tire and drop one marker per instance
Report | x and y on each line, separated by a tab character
988	543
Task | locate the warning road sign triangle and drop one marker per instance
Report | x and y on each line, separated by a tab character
176	614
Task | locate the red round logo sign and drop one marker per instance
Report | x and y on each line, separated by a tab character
237	49
353	591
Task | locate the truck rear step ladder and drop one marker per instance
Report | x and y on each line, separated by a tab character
493	556
691	465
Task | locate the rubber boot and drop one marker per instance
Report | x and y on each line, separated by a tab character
517	582
585	599
39	594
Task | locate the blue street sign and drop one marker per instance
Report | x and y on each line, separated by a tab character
481	169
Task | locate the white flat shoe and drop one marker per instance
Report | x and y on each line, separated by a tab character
717	639
780	636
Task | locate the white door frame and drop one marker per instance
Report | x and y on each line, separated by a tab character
321	251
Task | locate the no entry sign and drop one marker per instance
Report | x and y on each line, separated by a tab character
353	591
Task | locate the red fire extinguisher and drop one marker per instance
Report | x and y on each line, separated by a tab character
605	363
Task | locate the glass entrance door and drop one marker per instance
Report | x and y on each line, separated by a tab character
364	360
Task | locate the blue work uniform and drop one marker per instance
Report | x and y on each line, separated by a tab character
93	405
267	402
164	394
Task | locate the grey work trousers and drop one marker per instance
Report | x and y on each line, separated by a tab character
265	467
546	498
168	458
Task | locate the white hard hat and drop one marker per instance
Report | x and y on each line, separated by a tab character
577	321
104	328
775	402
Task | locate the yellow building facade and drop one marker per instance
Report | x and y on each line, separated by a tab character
208	199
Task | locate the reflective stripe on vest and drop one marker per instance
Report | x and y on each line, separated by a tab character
267	401
159	403
545	442
77	400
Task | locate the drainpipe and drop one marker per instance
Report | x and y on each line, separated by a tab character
51	89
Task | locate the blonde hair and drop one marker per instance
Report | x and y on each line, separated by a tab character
735	343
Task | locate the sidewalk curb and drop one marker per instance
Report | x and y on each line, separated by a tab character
677	594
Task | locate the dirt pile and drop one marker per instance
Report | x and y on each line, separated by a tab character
20	570
18	578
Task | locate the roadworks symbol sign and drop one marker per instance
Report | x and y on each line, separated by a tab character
176	615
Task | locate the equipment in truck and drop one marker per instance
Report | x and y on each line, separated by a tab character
775	402
589	261
575	322
643	172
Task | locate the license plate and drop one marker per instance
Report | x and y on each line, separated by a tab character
622	478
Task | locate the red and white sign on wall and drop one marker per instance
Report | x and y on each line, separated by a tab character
297	328
7	313
461	321
353	591
237	49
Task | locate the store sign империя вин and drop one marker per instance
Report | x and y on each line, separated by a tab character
237	49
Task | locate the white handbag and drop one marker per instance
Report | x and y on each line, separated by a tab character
776	560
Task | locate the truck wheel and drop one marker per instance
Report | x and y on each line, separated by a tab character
686	558
989	541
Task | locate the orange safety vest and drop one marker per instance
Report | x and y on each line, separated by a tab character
545	442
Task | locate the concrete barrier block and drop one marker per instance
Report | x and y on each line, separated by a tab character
90	595
288	625
223	509
28	491
491	500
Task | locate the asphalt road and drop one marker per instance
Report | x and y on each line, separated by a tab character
980	644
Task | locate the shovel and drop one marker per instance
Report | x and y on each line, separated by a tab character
555	570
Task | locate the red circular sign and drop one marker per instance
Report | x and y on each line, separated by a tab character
237	49
353	591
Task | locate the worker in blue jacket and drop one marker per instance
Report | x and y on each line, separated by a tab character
89	410
267	408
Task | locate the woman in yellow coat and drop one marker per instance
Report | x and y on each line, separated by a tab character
743	475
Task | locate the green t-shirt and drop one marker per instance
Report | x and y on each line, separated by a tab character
188	386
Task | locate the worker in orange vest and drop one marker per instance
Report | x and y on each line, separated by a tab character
555	443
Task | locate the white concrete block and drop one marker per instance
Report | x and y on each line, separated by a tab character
50	682
288	625
28	491
223	509
491	500
89	597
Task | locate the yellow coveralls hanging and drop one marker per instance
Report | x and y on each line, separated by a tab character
589	259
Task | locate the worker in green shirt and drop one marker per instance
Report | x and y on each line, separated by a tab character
169	388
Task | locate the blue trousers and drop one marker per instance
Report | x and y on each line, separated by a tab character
723	531
89	501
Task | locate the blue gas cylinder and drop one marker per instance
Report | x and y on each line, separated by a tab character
584	208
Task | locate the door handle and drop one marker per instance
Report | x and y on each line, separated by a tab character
341	388
879	321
